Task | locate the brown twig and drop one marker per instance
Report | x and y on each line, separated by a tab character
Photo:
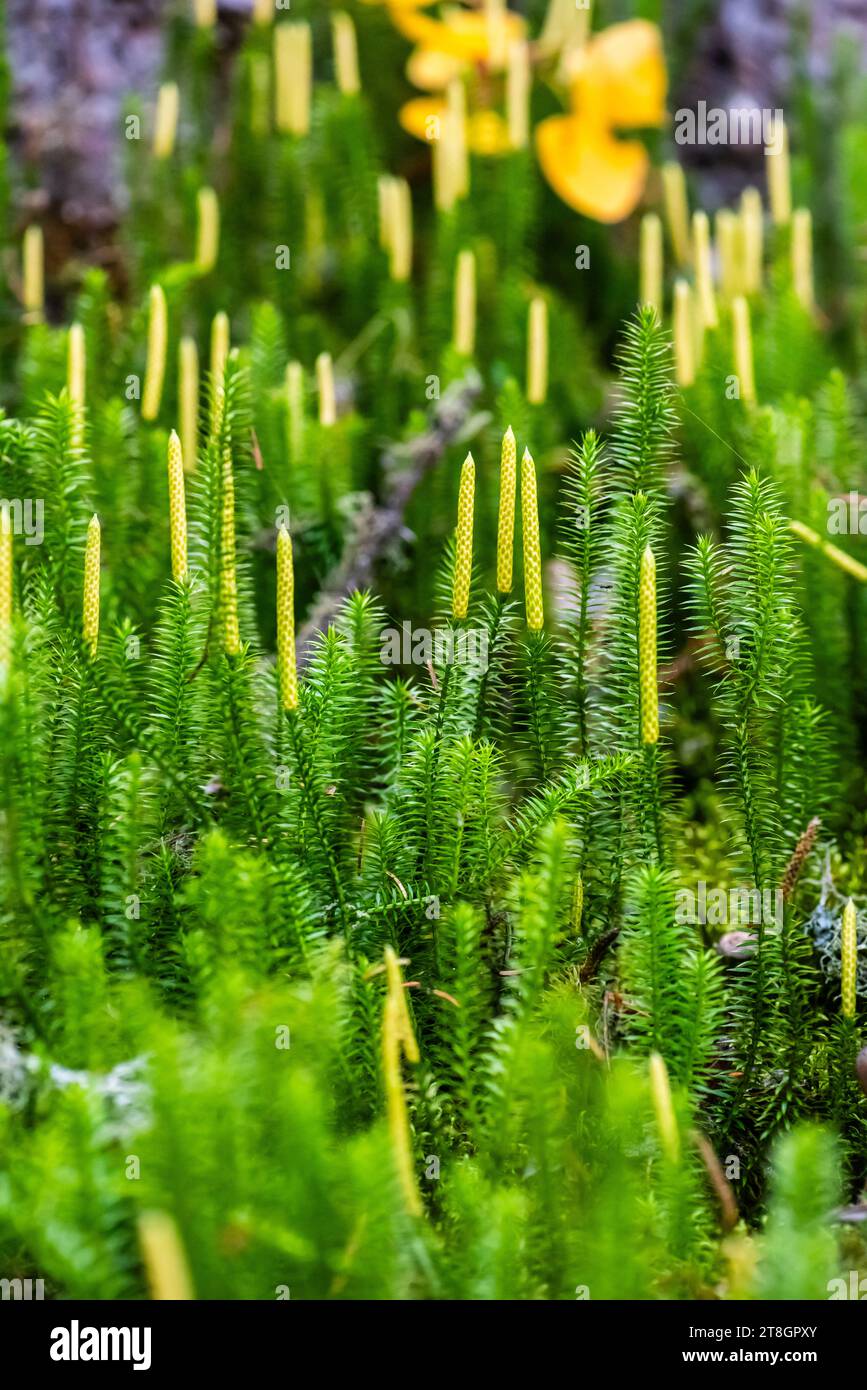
375	528
796	863
728	1206
595	955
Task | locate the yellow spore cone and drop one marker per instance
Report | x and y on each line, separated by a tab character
518	84
188	401
400	231
532	546
293	72
158	333
647	673
90	603
465	304
676	210
166	120
728	237
397	1037
663	1107
455	132
405	1033
327	392
219	349
286	669
345	54
701	251
743	345
537	352
650	255
848	960
228	575
76	375
165	1262
684	334
208	232
450	162
464	543
295	408
506	519
779	175
33	256
76	364
752	237
177	508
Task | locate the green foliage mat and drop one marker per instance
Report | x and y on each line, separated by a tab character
528	976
